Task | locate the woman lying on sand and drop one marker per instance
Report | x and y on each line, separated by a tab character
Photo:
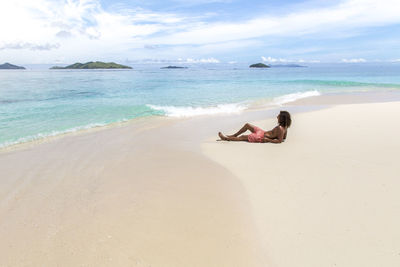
276	135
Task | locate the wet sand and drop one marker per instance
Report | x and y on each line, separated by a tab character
122	197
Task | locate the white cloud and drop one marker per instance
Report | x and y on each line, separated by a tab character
200	2
45	19
309	61
273	60
80	29
347	15
83	29
30	46
177	61
354	60
64	34
284	60
202	60
42	19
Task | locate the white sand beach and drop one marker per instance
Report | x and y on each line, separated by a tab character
165	193
328	196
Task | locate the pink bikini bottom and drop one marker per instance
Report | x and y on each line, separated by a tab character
257	136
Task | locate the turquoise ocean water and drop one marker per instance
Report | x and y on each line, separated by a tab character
38	103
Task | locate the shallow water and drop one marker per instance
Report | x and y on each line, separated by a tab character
38	103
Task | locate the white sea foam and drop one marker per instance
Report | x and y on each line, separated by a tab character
280	100
180	112
40	136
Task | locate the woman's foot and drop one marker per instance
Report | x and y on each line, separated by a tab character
223	137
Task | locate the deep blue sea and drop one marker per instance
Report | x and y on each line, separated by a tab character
36	103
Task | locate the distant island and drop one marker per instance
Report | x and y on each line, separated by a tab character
174	67
288	66
92	65
259	65
8	66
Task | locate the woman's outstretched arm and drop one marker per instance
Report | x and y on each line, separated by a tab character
268	140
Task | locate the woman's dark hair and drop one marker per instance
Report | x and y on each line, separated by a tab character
284	119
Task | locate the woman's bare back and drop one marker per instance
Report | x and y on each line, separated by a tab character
276	132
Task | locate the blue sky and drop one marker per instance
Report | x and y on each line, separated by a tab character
198	31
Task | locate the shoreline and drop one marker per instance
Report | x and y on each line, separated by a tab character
139	122
327	99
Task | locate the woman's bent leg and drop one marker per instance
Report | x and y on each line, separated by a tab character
245	127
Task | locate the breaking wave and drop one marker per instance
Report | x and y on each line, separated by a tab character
180	112
280	100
